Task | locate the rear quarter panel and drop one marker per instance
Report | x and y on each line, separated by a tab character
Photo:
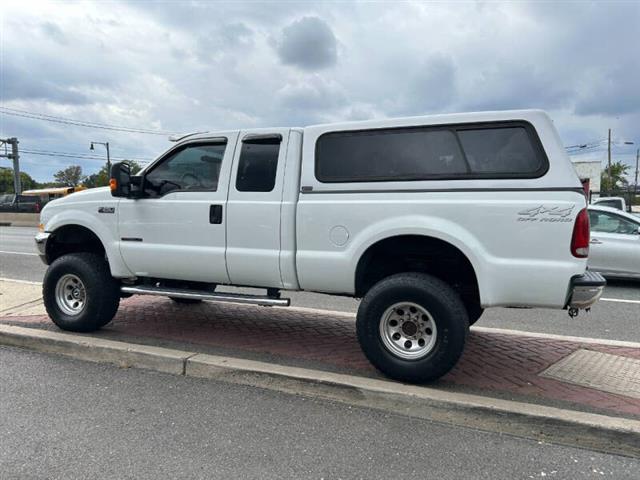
515	232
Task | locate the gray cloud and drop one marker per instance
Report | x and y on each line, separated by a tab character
432	87
308	43
54	32
214	65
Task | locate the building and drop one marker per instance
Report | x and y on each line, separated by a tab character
590	170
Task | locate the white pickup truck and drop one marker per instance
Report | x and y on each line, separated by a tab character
429	220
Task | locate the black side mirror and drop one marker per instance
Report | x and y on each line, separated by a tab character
120	181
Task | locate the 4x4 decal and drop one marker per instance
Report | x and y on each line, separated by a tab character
543	213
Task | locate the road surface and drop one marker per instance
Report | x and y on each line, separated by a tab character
63	418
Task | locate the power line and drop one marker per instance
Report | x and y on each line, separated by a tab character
81	123
78	156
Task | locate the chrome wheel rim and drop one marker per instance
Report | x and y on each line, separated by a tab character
408	330
71	295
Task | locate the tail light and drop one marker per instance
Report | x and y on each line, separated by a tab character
580	237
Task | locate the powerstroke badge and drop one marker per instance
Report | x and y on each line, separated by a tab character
543	213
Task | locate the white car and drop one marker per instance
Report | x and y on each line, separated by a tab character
615	242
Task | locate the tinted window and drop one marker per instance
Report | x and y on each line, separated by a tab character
194	167
258	165
611	203
499	150
609	223
420	153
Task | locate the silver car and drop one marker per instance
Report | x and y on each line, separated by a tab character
615	242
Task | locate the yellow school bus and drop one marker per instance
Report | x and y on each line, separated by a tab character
47	194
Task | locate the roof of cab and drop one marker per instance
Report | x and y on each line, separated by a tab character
439	119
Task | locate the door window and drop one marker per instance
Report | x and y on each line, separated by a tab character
195	167
605	222
258	164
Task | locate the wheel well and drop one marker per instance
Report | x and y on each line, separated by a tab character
73	239
418	253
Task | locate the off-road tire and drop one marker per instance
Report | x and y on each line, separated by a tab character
474	313
102	292
447	310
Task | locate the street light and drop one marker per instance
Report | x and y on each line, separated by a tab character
106	145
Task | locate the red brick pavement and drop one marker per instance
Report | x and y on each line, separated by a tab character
492	362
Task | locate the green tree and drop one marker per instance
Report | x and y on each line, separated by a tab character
70	176
101	177
6	181
616	180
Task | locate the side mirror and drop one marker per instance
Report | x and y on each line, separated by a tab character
120	179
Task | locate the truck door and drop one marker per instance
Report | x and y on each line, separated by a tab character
254	204
177	230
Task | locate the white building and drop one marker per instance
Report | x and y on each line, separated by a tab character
589	169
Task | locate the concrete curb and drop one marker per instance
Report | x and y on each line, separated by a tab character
593	431
94	349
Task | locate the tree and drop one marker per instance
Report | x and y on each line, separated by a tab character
70	176
6	181
616	180
101	178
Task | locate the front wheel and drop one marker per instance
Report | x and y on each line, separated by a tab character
412	327
79	293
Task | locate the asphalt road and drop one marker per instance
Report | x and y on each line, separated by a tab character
608	319
62	418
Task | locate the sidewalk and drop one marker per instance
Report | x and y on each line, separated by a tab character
584	376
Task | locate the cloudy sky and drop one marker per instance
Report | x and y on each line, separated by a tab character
186	66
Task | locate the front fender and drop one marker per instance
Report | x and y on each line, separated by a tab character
105	228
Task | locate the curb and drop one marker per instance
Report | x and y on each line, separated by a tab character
593	431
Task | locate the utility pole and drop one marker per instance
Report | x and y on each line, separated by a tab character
637	158
13	141
609	161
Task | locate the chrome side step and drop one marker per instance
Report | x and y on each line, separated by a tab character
210	296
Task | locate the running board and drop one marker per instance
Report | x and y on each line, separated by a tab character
210	296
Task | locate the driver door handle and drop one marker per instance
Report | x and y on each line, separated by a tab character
215	214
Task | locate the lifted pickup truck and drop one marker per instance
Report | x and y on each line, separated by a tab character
429	220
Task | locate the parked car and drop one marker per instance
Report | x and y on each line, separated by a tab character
429	220
19	203
615	242
611	202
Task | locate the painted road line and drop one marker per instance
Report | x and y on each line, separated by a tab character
619	300
14	280
521	333
19	253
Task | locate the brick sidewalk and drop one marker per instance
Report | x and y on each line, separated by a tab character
493	363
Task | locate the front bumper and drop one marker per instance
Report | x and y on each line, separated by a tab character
585	290
41	244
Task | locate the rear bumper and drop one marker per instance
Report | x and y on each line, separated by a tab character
585	290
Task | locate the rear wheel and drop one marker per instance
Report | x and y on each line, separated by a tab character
79	292
412	327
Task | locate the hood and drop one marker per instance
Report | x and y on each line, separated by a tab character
100	194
